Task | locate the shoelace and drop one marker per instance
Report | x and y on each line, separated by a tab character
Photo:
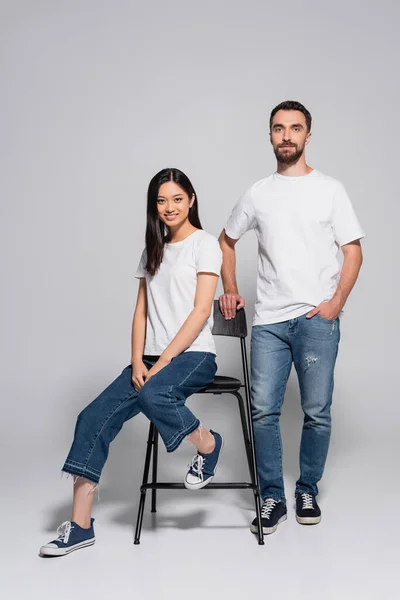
197	466
307	501
268	507
64	530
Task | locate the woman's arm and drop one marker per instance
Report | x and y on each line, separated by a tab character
203	305
139	370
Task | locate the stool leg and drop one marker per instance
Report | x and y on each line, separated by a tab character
249	435
250	452
257	501
257	498
245	434
253	474
139	520
155	464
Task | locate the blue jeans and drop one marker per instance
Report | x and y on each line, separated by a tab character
162	400
312	345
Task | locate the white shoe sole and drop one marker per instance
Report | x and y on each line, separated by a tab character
308	520
201	484
268	530
44	551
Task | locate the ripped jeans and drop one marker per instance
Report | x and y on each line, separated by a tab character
312	345
161	399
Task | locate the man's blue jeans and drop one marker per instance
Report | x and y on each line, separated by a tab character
312	345
161	399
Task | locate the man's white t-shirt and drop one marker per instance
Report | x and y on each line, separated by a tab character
300	222
171	291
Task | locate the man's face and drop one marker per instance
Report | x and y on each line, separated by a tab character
289	136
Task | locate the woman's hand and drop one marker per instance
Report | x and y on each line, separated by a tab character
158	366
139	374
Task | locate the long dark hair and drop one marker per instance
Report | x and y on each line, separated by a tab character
157	233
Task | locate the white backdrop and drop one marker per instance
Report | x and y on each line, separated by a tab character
96	98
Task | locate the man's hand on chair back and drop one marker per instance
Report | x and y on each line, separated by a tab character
229	303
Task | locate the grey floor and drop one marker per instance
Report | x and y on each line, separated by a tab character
199	543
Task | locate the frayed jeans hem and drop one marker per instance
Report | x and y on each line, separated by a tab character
81	472
178	438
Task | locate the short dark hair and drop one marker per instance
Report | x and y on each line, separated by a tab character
292	105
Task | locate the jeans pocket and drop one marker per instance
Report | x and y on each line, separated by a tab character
319	328
327	320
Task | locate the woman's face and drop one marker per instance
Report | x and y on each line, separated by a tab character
173	204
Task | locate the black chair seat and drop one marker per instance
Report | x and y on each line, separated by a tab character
222	384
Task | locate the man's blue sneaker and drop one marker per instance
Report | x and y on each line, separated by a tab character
70	537
203	466
272	513
307	510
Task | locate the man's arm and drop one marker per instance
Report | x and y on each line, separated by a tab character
231	300
351	267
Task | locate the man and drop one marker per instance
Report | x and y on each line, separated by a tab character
301	218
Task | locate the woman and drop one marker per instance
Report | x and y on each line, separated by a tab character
173	354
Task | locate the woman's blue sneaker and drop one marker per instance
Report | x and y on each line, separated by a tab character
71	536
203	466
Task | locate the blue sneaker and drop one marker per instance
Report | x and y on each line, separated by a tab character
71	536
203	466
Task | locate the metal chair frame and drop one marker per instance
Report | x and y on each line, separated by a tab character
233	328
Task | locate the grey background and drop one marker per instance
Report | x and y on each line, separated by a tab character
96	97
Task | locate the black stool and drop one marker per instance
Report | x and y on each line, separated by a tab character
236	327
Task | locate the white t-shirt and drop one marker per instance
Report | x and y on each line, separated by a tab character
300	222
171	291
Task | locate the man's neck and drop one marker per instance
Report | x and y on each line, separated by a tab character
299	169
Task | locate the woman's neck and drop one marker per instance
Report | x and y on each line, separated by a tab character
181	232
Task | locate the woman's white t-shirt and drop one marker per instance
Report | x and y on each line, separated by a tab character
171	291
300	222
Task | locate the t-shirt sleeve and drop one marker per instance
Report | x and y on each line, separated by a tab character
208	256
242	217
141	270
346	226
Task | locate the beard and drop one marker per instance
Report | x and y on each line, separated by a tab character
288	157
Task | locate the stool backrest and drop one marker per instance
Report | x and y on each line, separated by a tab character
236	327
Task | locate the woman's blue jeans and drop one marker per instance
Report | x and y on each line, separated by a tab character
161	399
